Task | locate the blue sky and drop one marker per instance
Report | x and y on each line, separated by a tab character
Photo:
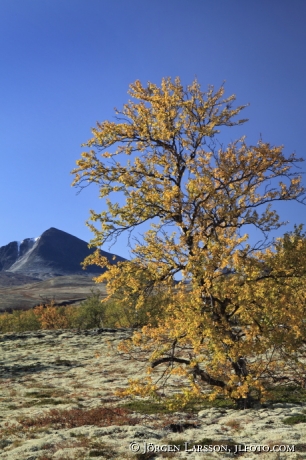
65	64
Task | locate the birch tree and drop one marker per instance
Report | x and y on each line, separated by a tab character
236	320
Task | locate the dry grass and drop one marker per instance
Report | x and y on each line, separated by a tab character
72	418
233	424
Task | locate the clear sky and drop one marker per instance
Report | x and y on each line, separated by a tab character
65	64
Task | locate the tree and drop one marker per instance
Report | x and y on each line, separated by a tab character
237	318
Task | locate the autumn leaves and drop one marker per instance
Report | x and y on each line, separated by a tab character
201	199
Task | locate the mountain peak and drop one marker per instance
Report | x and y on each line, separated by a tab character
54	253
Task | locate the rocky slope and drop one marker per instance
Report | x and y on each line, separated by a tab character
58	402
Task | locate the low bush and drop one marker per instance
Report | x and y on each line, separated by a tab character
294	419
72	418
19	321
51	317
90	314
289	393
122	314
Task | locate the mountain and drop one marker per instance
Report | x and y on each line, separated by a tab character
54	253
47	268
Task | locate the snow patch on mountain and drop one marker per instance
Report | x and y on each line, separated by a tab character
30	241
22	259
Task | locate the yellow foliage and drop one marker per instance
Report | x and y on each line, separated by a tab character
51	317
238	317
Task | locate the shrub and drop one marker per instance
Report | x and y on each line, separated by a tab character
51	317
90	314
19	321
121	314
294	419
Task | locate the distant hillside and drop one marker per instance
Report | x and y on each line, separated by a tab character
62	290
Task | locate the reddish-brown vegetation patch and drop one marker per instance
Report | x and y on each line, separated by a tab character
72	418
